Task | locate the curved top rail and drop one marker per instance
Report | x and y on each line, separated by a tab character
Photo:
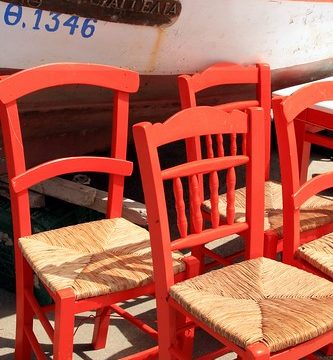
57	167
220	74
312	187
196	121
239	105
306	97
27	81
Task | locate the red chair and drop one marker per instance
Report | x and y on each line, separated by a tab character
222	74
89	266
312	250
259	308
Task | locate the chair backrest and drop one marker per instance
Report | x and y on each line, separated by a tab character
199	122
230	74
286	111
14	87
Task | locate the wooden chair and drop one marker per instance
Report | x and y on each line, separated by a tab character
314	251
222	74
259	308
89	266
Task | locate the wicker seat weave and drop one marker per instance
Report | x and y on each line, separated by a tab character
316	212
93	258
319	253
260	300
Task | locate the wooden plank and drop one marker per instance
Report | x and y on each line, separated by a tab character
91	198
132	210
67	190
85	196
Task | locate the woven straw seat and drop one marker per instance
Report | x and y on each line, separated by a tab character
316	212
94	258
260	300
319	253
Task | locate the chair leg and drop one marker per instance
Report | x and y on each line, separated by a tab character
24	313
24	320
257	351
185	339
101	328
270	246
64	325
198	253
166	322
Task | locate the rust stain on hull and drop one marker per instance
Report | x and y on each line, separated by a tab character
155	50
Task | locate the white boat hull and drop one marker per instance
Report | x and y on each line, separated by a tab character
282	33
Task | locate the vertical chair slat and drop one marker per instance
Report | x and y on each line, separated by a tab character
196	215
209	147
180	207
214	198
233	144
220	147
231	182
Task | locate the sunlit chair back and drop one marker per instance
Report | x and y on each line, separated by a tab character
199	122
59	251
225	73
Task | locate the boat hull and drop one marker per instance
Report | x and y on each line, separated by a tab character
282	33
294	37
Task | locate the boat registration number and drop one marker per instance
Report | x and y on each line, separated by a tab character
14	15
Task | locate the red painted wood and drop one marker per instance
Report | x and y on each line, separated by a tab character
64	325
102	323
231	182
40	314
214	198
209	147
12	88
220	147
208	235
57	167
25	82
195	211
174	129
204	166
224	74
295	190
233	144
180	207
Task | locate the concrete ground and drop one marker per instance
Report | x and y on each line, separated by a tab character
123	338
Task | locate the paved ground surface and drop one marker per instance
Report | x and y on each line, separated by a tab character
123	338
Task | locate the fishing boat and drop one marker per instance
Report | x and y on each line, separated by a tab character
160	39
165	37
